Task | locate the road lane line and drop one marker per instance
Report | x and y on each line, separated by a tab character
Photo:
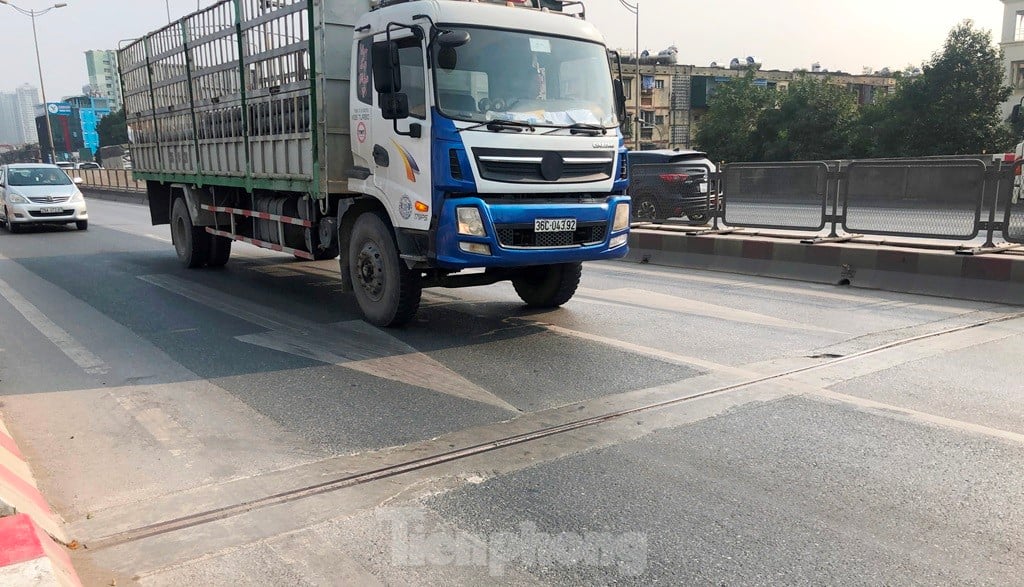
893	411
808	291
57	335
669	357
353	345
669	303
161	426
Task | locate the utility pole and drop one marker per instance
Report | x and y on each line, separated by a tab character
634	9
39	63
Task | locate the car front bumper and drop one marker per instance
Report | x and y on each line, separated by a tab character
33	213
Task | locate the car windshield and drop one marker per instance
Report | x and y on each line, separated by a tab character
26	176
525	77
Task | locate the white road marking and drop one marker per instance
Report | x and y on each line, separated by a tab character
57	335
669	357
354	345
160	425
808	291
659	301
892	411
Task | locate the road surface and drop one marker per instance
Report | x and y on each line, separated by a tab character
243	426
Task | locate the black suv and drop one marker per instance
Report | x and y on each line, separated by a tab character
670	184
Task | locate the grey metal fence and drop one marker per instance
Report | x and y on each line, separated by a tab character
661	191
787	196
939	199
120	180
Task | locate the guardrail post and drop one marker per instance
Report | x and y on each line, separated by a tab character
992	208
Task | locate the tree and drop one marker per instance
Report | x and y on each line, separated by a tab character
727	131
113	129
951	108
814	120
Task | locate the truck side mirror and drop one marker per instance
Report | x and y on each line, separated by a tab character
620	100
394	106
387	73
453	39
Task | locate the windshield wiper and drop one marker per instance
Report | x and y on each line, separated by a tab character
582	128
500	125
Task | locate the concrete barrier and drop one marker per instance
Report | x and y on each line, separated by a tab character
32	536
988	277
29	557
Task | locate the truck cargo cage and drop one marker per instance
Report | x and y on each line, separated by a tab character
225	96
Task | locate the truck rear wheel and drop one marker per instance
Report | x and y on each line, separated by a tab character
192	243
220	250
548	286
388	292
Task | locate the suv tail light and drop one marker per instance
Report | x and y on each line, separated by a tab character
674	177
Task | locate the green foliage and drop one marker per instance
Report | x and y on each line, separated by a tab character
727	130
814	120
113	129
952	107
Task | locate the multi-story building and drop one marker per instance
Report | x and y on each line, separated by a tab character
103	75
28	99
658	95
74	123
674	97
10	119
1012	44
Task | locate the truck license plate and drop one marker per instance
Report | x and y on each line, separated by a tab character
554	225
51	210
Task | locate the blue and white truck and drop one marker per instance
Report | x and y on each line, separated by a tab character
414	140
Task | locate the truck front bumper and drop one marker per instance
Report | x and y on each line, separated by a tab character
511	242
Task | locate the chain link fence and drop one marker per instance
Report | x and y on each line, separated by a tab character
939	199
786	196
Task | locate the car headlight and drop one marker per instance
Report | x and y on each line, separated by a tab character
78	197
621	217
469	221
16	199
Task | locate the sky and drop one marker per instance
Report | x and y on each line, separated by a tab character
843	35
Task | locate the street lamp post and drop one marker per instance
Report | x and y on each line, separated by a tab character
39	63
635	10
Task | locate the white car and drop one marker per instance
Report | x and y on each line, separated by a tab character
40	194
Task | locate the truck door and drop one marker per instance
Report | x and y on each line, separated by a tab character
401	158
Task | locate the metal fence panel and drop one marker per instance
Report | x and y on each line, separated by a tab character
672	190
787	196
914	198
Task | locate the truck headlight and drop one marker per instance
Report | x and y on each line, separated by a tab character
621	217
469	221
16	199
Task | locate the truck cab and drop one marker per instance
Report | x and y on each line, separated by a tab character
505	144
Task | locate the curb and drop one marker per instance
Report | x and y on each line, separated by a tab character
988	278
29	557
115	195
31	534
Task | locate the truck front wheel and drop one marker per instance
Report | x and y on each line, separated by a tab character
388	292
190	242
548	286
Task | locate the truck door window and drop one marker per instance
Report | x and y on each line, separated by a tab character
410	59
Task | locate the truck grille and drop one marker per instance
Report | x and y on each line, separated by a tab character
525	166
523	235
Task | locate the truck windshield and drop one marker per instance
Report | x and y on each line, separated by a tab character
526	77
